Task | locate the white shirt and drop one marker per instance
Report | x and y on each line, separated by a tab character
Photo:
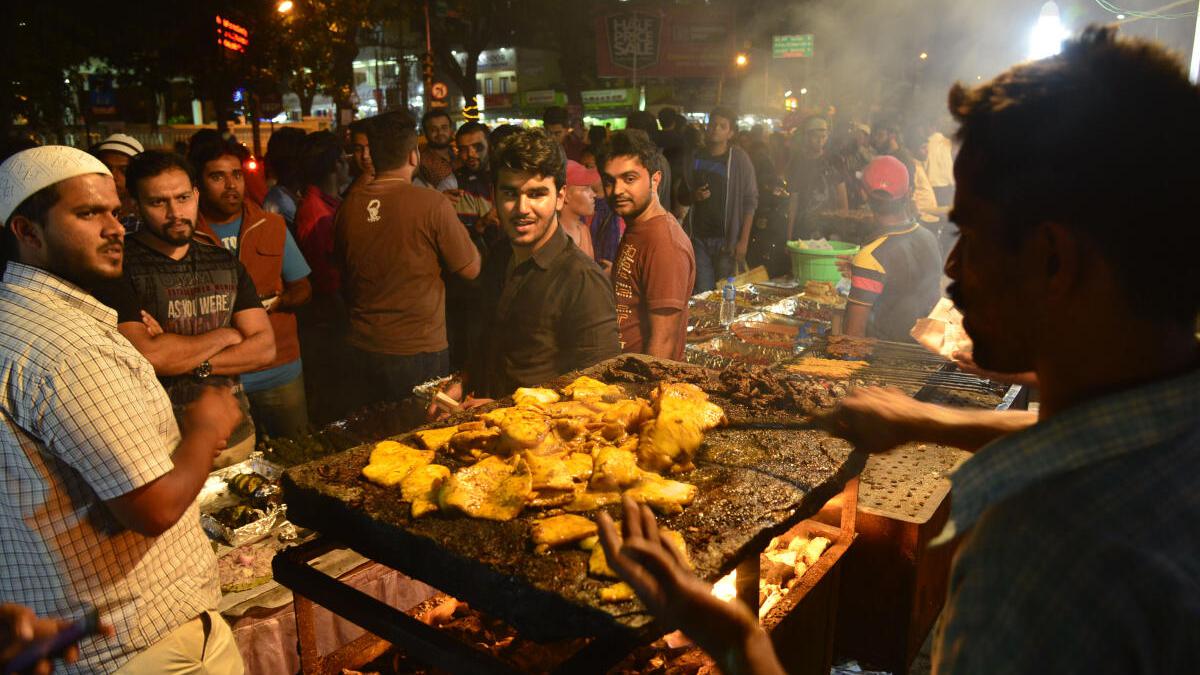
83	419
940	160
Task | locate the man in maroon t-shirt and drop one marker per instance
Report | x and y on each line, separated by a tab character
655	266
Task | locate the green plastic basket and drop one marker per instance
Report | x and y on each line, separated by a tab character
810	264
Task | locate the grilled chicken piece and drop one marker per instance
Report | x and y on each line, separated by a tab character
665	496
579	465
569	428
391	462
630	414
520	427
435	439
421	487
492	489
535	397
590	501
474	442
667	444
671	439
584	388
549	472
550	499
559	530
687	399
598	564
586	411
614	469
619	592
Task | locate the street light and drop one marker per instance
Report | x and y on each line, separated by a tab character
924	55
1048	34
803	91
741	60
285	6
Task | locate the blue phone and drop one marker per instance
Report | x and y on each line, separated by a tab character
88	625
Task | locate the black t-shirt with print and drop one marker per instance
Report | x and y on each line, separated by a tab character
196	294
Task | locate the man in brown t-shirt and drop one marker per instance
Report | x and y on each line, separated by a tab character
655	266
393	241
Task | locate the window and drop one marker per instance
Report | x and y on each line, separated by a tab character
504	85
487	86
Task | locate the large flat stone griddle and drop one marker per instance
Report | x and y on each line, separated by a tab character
752	485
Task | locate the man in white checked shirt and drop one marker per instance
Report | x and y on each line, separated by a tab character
99	482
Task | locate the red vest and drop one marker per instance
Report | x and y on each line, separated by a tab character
260	248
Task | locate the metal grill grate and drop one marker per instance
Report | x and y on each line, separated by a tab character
908	483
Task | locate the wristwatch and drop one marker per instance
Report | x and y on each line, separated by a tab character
203	370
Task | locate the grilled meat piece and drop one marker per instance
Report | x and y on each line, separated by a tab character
474	442
435	439
665	496
590	501
492	489
535	397
421	487
559	530
618	592
585	388
391	462
549	472
614	469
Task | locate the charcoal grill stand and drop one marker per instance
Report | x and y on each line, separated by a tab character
425	643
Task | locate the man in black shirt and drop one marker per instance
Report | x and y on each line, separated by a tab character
552	309
187	305
815	183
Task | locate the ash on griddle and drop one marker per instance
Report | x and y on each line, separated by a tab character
759	390
849	347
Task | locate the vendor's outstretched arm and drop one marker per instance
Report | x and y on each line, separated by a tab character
648	562
877	420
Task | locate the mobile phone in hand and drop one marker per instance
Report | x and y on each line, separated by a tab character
48	647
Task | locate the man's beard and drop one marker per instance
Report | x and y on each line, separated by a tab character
636	209
74	268
438	145
174	240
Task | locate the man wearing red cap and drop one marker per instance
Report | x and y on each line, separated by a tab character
579	205
896	278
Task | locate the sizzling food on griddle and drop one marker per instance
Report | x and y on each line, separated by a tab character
579	454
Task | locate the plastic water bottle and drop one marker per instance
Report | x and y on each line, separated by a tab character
728	302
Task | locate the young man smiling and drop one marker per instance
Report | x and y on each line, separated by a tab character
552	309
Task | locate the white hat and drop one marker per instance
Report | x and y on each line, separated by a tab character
122	143
31	170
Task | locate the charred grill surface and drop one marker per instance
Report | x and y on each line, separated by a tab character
752	485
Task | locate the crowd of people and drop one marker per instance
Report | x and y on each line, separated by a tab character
163	310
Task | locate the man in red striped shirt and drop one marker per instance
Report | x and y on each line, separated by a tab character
895	279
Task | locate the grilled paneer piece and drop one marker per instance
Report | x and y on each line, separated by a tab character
559	530
492	489
421	488
391	462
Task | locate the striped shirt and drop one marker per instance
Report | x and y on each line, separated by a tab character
85	420
1082	547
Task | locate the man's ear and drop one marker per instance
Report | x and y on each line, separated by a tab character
26	232
414	157
1061	256
655	181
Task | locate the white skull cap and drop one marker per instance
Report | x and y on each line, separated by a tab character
30	170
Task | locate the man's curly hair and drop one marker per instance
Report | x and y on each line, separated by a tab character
1101	138
532	151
